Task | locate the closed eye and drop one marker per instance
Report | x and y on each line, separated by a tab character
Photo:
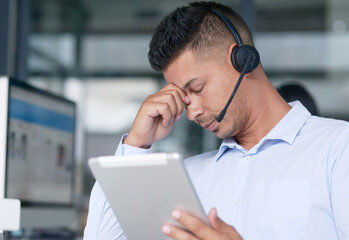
198	90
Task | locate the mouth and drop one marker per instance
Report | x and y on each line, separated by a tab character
211	125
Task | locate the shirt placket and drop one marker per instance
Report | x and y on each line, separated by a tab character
239	189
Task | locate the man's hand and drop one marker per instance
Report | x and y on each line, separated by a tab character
197	229
156	117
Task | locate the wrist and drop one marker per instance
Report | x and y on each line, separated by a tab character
129	140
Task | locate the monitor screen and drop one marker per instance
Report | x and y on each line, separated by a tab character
40	146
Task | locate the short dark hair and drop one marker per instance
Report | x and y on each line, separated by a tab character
193	28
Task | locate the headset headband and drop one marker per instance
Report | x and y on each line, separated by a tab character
229	24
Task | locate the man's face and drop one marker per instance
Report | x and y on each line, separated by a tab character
209	83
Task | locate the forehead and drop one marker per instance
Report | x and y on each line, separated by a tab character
184	68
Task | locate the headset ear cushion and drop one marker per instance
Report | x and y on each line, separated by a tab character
239	57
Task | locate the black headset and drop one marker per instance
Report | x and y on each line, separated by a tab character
245	58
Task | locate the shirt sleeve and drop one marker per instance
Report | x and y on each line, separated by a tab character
339	185
101	221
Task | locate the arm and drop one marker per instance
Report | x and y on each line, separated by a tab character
101	221
154	121
339	184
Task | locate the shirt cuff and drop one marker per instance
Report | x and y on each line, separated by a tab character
124	149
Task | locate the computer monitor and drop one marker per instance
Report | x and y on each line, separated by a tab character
36	145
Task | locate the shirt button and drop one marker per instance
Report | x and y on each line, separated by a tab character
237	201
248	156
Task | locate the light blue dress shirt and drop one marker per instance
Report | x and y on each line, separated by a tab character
292	185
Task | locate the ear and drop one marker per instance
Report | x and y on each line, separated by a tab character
230	51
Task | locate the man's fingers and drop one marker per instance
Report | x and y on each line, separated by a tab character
194	225
177	233
179	103
156	117
180	97
215	221
174	101
163	110
170	97
197	229
182	93
220	226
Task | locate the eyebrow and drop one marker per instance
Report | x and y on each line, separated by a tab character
189	82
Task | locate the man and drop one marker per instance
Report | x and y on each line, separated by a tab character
280	173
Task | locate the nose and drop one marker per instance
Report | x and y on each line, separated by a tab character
193	111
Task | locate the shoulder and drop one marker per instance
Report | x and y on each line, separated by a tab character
326	126
332	136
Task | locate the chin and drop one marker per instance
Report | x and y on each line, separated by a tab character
223	134
219	134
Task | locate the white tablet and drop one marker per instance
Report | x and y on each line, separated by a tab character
144	189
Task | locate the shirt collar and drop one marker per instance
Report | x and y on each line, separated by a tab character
286	130
290	125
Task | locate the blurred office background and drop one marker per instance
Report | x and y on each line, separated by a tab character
95	53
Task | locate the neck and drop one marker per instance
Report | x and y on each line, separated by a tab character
266	112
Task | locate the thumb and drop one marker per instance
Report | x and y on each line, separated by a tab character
215	221
220	226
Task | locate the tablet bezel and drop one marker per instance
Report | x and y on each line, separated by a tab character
161	184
